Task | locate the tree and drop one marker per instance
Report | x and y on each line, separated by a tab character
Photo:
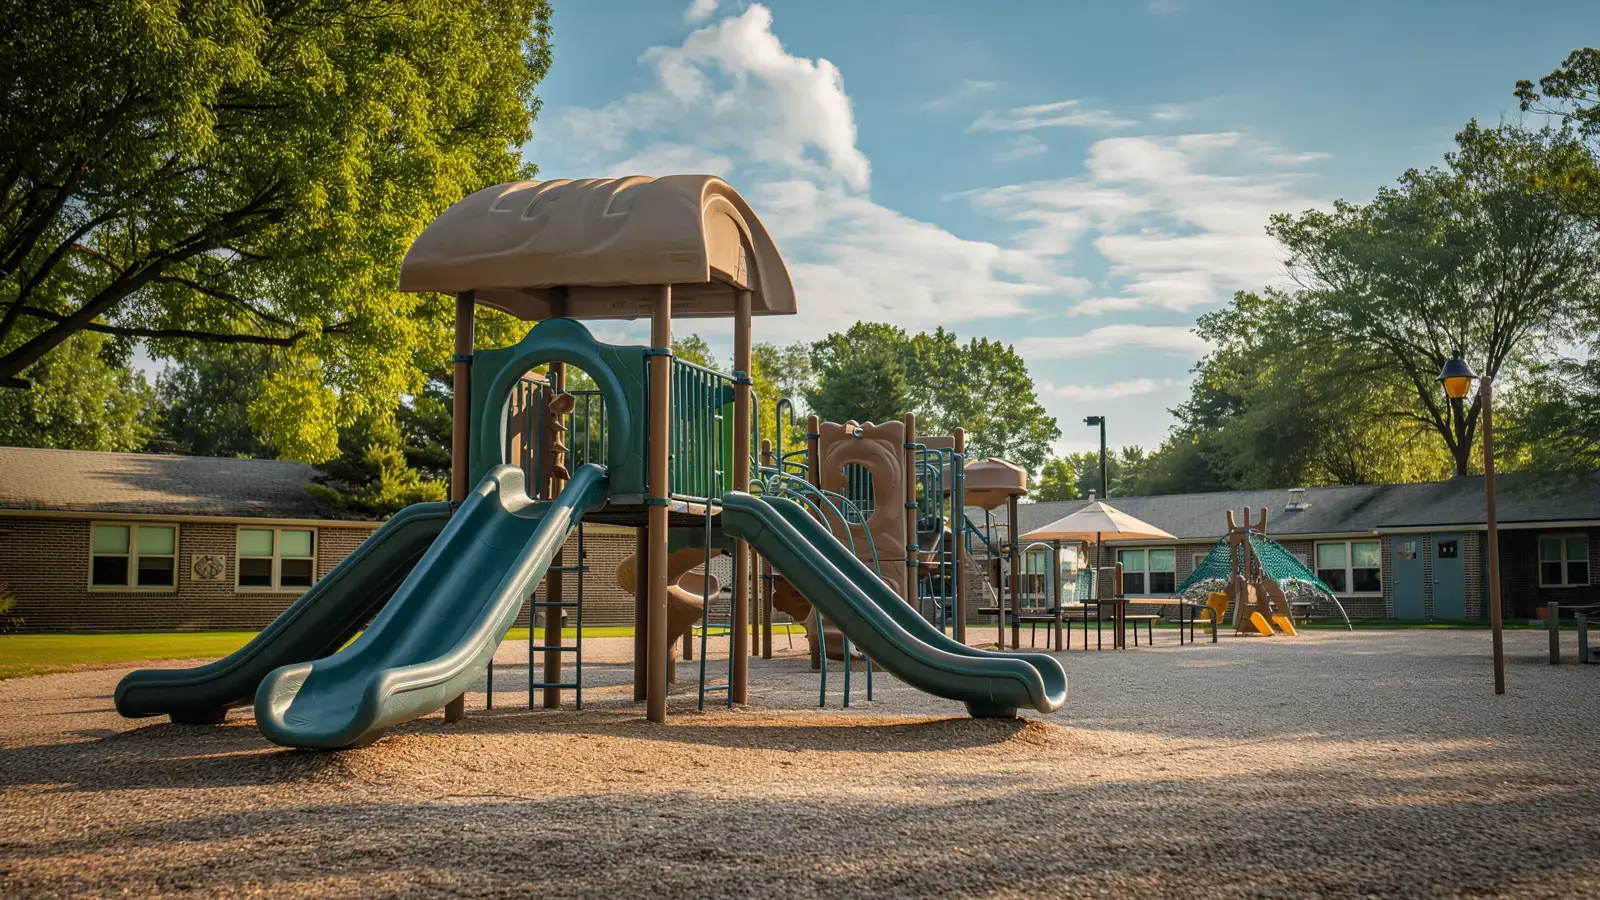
371	475
83	397
1552	422
1466	261
982	386
865	383
243	173
204	401
693	348
1572	94
777	373
1057	481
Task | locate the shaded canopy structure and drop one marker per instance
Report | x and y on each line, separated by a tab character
1096	521
600	248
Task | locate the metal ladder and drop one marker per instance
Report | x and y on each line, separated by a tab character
576	648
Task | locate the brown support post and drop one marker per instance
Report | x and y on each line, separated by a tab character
1492	535
659	653
813	450
1016	573
997	564
909	590
641	611
1120	642
1055	581
958	529
764	586
461	435
555	582
741	482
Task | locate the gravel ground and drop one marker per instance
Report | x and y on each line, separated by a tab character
1334	764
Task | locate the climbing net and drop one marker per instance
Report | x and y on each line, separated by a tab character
1274	561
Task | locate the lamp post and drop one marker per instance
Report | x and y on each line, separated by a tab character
1092	421
1457	378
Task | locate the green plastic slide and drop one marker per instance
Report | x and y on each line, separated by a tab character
883	625
320	622
437	634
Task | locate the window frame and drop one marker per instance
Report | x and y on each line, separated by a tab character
277	559
1562	537
1146	571
132	556
1350	566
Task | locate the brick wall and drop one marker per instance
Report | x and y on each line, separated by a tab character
1520	593
604	602
46	561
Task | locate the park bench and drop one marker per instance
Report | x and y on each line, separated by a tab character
1581	615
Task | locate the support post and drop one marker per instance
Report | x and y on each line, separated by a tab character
659	653
1486	397
461	435
641	611
555	582
1055	581
765	586
741	641
958	527
908	590
1016	572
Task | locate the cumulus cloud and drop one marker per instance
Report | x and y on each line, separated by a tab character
701	10
1060	114
1132	387
1109	338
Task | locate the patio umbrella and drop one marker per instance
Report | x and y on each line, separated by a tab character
1097	521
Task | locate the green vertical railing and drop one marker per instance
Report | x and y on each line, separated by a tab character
701	443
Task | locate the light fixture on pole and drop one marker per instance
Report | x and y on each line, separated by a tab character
1092	421
1457	378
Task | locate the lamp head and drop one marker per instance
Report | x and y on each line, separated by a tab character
1092	421
1457	377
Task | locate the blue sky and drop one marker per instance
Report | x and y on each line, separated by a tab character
1079	178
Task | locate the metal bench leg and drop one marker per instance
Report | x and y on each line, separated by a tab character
1552	623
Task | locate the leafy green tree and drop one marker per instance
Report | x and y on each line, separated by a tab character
1551	419
860	383
777	373
1469	260
693	348
982	386
1057	481
371	475
1572	94
248	173
83	397
205	400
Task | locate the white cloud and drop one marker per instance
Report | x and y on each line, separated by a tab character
1132	387
1110	338
967	90
1174	222
1021	147
701	10
1061	114
1172	112
732	101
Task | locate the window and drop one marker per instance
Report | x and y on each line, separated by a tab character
1149	571
1351	567
133	556
277	558
1563	560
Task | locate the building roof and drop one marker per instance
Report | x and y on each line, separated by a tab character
604	244
155	484
1524	500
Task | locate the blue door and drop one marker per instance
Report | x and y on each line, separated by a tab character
1449	577
1408	590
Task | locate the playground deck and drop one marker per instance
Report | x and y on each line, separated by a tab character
1336	764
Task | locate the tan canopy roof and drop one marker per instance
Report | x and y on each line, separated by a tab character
1098	521
604	243
990	482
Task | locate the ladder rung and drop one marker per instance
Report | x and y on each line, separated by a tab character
549	604
568	569
713	688
559	648
567	685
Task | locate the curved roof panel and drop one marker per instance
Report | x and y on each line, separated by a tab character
602	245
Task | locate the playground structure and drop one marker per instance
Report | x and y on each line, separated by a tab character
1257	575
659	444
